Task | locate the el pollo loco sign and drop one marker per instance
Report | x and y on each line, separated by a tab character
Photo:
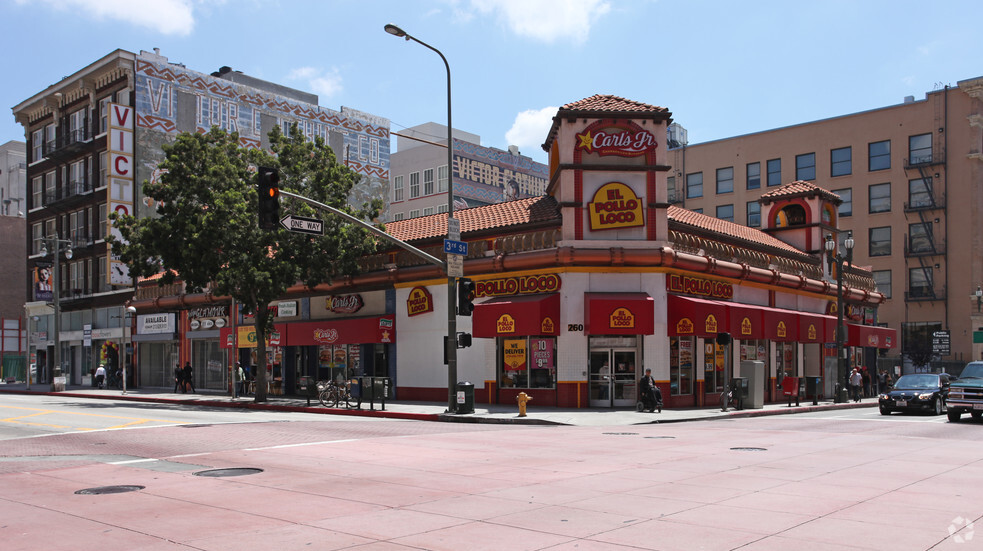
615	205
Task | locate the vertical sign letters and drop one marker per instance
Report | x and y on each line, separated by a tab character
121	181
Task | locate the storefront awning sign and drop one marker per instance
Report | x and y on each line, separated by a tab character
695	317
517	315
505	325
619	314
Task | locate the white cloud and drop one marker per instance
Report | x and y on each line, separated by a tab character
164	16
546	20
530	128
323	83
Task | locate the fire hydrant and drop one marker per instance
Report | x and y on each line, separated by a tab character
522	398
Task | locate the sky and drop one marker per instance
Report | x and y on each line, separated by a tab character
723	68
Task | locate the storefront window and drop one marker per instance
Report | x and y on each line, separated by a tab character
209	363
528	362
784	360
337	362
681	359
755	350
713	366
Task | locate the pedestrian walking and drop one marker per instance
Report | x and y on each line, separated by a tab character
100	375
856	382
243	384
882	382
178	378
189	377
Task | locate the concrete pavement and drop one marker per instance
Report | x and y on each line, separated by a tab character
432	411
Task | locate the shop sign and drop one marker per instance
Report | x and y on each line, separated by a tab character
746	326
325	336
678	283
711	324
873	340
419	302
345	304
518	285
505	324
685	326
287	309
616	141
811	333
548	327
515	354
248	339
385	323
621	318
208	312
151	324
782	330
615	205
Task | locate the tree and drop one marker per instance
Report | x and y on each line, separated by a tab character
206	232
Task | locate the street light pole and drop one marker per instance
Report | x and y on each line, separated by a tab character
56	298
840	328
451	342
128	343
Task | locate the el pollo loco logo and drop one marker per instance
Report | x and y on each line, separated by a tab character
615	205
624	143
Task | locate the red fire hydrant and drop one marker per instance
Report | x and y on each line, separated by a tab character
522	398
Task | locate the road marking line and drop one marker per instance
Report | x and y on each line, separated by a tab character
131	461
299	445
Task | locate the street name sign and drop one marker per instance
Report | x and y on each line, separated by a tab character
455	247
299	224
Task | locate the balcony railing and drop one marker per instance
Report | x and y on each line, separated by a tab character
928	158
923	247
73	189
922	294
925	202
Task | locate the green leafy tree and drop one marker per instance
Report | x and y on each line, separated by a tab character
206	230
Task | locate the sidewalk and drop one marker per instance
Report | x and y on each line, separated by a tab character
432	411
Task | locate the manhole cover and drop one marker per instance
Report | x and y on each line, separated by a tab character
218	473
660	437
750	449
621	433
109	490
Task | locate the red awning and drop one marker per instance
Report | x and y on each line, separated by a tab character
689	317
812	328
871	336
378	329
517	315
745	321
619	314
780	325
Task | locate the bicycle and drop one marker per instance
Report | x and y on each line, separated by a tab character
332	393
114	380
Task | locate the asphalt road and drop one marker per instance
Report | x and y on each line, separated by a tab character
843	479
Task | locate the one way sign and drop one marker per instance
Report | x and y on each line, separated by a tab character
300	224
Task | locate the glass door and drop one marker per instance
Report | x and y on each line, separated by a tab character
599	384
613	378
625	378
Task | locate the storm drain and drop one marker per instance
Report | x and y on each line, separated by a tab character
620	433
101	490
222	473
750	449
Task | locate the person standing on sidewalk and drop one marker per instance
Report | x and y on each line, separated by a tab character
856	380
189	377
178	378
866	381
882	382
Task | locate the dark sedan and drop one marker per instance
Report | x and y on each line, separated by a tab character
917	392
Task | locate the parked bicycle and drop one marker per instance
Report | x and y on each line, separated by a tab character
332	393
731	398
114	380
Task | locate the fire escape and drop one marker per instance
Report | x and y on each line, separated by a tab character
925	211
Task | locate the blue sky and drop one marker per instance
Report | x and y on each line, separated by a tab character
723	68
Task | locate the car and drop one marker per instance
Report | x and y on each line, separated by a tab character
966	394
917	392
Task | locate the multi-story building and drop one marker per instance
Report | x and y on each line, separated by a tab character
911	180
93	138
482	175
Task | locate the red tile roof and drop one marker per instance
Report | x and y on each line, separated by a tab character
531	211
800	188
686	217
605	105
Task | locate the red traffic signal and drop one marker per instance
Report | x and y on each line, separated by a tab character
269	198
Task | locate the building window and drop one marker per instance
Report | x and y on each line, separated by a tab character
442	208
879	155
882	278
725	212
920	149
427	211
104	113
414	185
428	181
917	336
442	179
76	126
682	356
694	185
103	182
725	180
37	232
879	199
920	237
879	242
37	145
37	192
49	187
805	166
102	222
49	137
536	369
846	207
398	188
754	214
414	213
698	211
841	161
101	281
774	172
713	366
920	193
920	282
753	175
398	216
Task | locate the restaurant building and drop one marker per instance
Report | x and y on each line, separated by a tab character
578	291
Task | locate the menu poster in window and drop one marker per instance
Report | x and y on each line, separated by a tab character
721	353
685	353
354	354
762	353
515	354
324	355
708	356
542	353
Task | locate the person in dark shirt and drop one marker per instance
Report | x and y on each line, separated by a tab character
189	377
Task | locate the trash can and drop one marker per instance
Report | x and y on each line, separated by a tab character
739	387
307	387
465	397
813	384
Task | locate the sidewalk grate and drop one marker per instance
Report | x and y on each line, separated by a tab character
221	473
101	490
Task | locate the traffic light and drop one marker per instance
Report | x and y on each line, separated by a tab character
269	198
465	294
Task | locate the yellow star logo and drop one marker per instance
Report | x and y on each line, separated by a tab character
586	141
